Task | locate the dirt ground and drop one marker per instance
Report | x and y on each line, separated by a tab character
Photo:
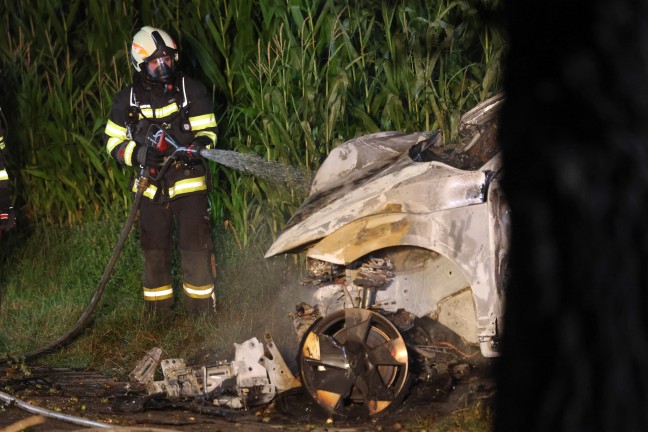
122	405
91	396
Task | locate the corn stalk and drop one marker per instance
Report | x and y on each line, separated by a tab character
290	80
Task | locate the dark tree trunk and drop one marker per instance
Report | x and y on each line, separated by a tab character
574	133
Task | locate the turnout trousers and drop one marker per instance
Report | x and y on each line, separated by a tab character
188	217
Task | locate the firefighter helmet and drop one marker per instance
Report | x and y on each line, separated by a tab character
154	53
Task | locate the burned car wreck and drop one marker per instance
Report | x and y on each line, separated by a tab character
406	243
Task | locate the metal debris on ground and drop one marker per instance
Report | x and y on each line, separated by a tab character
145	370
257	374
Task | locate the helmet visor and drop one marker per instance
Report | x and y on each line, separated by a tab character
161	69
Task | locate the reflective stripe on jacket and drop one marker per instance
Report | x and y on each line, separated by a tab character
185	113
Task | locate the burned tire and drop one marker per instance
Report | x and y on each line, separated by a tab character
354	362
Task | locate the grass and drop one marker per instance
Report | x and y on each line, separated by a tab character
473	418
48	277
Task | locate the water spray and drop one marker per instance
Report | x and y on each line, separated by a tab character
247	163
256	166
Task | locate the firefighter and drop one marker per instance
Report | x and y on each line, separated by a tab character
7	215
162	99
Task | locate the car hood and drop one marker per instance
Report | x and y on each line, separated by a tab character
375	174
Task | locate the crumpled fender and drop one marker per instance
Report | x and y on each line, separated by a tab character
462	235
400	186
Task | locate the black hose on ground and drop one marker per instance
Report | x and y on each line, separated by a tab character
25	406
142	185
87	314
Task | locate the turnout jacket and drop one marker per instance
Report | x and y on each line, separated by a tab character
182	110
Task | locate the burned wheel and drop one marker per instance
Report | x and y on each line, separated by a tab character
354	362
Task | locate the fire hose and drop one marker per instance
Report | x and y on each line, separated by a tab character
87	314
142	185
160	140
7	398
83	320
163	140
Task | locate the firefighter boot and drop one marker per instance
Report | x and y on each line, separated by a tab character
198	285
159	311
199	306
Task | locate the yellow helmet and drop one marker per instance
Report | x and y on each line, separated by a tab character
149	46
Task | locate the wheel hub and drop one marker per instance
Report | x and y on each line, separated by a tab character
354	361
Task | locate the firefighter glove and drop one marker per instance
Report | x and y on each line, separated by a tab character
7	220
148	156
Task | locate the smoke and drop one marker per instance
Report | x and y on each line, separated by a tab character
257	297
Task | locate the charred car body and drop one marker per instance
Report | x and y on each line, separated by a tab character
406	245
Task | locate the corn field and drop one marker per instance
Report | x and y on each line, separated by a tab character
290	79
